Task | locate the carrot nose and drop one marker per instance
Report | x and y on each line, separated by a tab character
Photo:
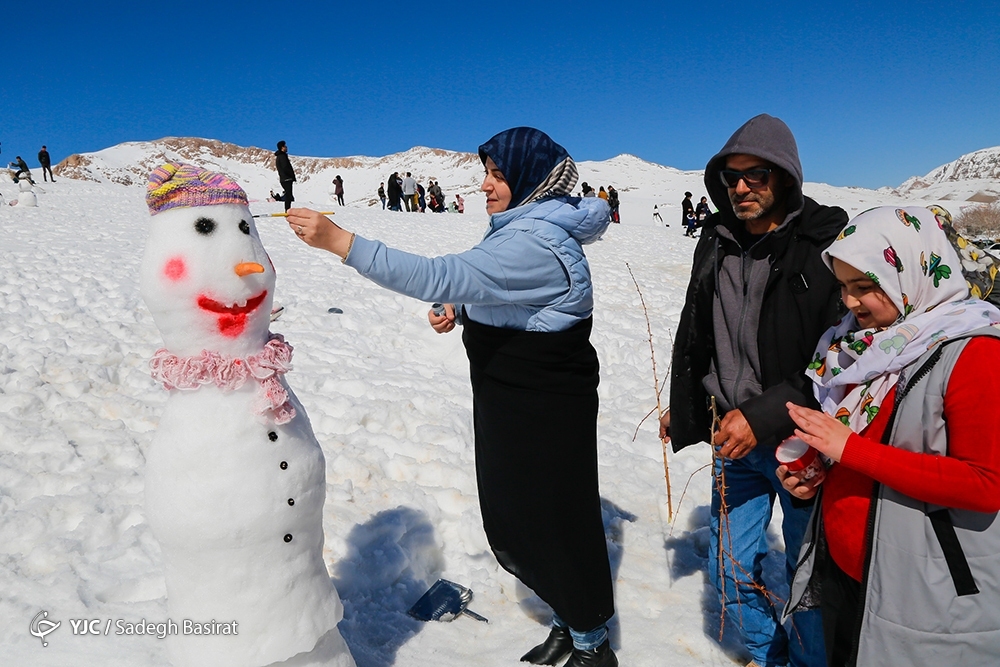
246	268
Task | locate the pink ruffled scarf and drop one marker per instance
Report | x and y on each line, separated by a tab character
231	373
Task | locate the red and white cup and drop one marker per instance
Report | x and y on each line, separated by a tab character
801	460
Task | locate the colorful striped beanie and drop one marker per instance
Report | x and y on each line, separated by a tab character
176	185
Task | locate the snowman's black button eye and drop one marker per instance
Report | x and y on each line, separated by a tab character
244	226
204	226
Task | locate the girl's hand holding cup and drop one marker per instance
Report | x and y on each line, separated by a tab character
801	470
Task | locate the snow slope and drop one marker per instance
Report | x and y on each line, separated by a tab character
389	402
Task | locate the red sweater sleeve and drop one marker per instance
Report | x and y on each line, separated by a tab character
969	477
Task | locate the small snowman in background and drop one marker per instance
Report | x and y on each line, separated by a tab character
235	479
27	196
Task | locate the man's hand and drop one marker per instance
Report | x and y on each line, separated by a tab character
665	426
442	323
735	436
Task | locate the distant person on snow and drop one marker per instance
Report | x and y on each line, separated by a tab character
687	208
435	190
587	190
614	204
46	162
603	194
525	299
461	203
409	193
338	189
702	211
286	175
381	194
22	168
690	225
394	191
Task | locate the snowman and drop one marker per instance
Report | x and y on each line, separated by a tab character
235	479
27	196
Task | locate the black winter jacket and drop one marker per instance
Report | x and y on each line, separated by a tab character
284	166
801	300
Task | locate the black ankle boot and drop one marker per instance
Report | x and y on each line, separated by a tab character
602	656
556	646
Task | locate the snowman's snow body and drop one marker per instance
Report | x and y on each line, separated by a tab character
234	498
27	196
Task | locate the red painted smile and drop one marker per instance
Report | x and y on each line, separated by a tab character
232	319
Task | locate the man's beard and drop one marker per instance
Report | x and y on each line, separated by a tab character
764	205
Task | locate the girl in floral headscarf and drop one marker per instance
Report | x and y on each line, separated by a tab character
902	555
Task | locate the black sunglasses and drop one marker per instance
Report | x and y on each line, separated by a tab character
754	178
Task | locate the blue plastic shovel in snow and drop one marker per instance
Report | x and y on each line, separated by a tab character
444	601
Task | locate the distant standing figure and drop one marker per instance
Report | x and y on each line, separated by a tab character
421	201
614	204
587	190
656	214
690	225
603	194
435	190
394	191
286	175
338	189
687	208
409	193
22	168
702	211
46	162
381	194
461	203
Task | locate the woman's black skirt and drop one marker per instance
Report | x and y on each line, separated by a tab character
535	413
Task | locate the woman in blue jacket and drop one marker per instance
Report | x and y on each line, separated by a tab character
525	299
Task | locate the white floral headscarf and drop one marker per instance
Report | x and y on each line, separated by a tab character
906	253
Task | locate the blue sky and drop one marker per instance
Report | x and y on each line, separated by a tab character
873	94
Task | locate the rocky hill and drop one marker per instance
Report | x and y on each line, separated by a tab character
974	177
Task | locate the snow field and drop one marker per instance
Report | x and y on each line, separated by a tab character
389	401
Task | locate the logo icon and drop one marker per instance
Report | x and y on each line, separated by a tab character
40	626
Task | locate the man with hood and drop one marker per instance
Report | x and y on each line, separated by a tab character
286	175
759	298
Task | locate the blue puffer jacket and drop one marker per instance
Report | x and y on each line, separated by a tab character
529	271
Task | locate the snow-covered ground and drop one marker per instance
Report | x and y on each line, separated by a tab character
389	402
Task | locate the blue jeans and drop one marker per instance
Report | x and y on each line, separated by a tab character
584	641
751	486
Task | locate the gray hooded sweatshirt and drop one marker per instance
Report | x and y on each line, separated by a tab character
735	373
